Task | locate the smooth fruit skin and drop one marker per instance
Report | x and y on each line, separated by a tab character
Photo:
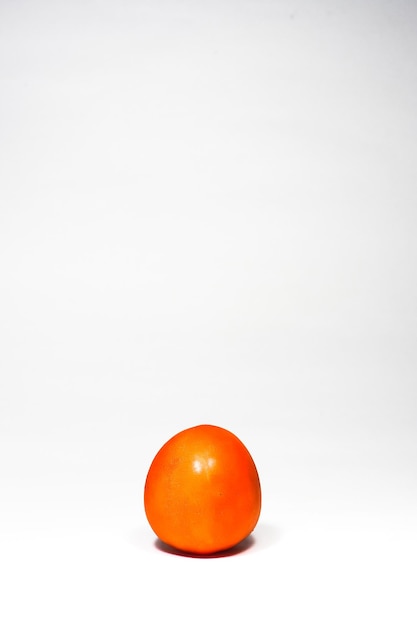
202	491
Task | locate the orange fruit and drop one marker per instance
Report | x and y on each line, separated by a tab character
202	491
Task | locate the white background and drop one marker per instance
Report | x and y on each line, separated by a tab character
208	215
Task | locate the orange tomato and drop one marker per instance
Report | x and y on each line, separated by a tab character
202	491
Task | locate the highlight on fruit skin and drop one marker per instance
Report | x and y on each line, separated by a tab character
202	492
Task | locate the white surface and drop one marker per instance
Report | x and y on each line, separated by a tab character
208	214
